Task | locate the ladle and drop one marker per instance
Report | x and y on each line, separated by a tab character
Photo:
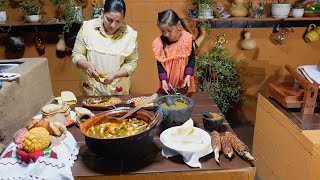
144	103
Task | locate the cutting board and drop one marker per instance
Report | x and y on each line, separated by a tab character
288	94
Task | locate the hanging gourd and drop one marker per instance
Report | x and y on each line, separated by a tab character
248	42
61	45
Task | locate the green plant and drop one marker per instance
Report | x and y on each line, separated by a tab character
2	4
31	7
218	73
297	5
67	13
209	2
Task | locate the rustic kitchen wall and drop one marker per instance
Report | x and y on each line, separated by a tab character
266	62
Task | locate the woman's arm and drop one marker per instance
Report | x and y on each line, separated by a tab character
79	56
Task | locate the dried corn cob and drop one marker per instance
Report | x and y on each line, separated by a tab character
239	146
216	145
226	147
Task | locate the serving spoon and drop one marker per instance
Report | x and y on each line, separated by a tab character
144	103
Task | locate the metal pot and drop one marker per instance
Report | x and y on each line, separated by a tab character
122	147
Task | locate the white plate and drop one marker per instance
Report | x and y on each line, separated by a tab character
167	136
9	76
72	115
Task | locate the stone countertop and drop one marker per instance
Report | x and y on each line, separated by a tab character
22	98
91	165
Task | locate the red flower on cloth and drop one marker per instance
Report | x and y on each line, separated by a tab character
27	157
118	89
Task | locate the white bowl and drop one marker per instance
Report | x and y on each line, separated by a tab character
34	18
279	10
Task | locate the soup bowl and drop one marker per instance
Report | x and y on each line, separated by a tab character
121	147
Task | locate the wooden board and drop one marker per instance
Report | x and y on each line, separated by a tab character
288	94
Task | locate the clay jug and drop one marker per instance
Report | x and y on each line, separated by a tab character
248	42
61	45
312	35
280	36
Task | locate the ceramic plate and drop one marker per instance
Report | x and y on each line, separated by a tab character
101	103
138	100
167	136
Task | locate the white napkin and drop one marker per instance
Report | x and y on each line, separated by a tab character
43	167
310	72
190	158
190	142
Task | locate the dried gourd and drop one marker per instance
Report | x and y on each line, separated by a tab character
226	147
36	139
216	145
239	146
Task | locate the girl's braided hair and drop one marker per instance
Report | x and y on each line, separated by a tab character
170	18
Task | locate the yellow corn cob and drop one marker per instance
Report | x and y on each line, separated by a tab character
216	145
239	146
226	147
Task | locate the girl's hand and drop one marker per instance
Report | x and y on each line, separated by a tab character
187	81
92	71
110	78
165	86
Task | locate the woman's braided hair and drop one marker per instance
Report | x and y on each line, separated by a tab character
170	18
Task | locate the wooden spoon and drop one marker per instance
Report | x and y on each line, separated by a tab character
144	103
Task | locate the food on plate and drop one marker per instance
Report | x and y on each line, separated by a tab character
36	139
54	128
68	97
104	101
113	129
216	144
51	109
226	147
239	146
138	100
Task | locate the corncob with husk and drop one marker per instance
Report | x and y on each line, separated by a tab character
216	144
239	146
226	147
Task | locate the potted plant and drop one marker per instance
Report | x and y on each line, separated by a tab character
205	8
297	9
3	14
32	9
218	74
280	9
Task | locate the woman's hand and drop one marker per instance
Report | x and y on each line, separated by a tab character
187	81
92	71
110	78
165	86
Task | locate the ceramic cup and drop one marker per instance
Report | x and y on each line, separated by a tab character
311	35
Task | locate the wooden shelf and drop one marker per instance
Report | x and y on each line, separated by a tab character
241	22
22	23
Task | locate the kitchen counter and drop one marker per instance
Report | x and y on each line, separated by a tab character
154	165
22	98
286	142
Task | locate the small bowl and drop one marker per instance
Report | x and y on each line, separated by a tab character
212	121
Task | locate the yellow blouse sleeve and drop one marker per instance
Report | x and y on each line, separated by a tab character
131	62
79	50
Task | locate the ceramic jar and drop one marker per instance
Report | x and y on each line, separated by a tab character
238	11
